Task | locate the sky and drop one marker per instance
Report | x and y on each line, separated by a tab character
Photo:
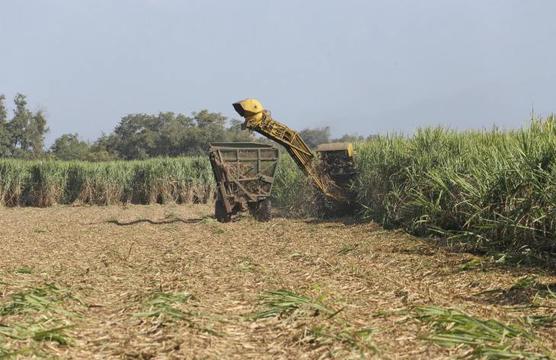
358	66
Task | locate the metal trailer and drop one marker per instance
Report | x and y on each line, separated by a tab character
244	174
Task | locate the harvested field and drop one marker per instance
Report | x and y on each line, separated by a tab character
170	282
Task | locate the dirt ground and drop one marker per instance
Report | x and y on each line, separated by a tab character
170	282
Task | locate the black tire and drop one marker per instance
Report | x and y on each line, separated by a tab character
263	210
322	208
220	212
328	208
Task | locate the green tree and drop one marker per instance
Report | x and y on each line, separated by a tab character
69	147
348	138
174	129
136	136
37	131
210	128
17	127
140	136
206	119
5	148
315	137
26	130
102	149
235	134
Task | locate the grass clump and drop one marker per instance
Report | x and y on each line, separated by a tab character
45	298
347	248
45	330
284	303
541	320
162	305
471	265
525	282
488	339
46	320
359	339
4	353
319	323
24	270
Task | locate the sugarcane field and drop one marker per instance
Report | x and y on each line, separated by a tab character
277	180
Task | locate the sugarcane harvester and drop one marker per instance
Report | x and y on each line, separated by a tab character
331	176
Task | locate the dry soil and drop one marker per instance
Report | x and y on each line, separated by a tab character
170	282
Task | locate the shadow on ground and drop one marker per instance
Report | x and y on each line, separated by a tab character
160	222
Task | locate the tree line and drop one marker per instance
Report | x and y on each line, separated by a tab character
136	136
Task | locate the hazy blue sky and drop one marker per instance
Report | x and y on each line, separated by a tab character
357	66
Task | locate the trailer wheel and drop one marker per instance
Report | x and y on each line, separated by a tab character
263	210
220	212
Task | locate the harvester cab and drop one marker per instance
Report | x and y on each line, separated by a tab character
337	161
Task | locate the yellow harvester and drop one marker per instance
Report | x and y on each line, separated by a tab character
335	168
